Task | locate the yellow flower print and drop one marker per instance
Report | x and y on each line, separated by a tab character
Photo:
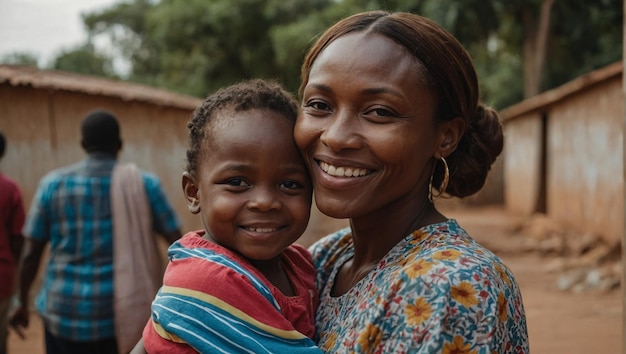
465	294
418	236
417	268
503	274
447	255
502	307
378	300
370	338
330	342
458	346
418	312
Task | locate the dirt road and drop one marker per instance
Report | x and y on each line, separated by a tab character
558	322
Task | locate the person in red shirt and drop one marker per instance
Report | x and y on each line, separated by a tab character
11	240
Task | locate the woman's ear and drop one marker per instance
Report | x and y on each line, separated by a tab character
450	133
190	189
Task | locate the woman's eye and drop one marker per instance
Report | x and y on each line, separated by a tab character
381	112
318	105
381	115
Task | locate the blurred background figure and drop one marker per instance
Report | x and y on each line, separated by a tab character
74	211
11	240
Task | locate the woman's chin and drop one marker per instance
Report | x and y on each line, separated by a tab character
334	208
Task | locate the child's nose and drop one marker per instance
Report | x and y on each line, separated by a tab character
264	199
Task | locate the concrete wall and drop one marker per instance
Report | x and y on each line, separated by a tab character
585	188
563	154
522	151
42	131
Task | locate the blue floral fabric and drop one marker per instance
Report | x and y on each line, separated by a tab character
436	291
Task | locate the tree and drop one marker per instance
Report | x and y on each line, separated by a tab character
519	47
529	46
197	46
584	36
84	60
535	45
20	58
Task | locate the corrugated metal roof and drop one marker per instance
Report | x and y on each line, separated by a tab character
18	75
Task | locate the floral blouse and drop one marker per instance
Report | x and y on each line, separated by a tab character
436	291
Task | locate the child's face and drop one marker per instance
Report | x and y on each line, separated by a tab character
251	189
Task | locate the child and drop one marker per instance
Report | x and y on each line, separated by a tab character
240	285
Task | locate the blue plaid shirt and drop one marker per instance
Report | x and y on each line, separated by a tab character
72	210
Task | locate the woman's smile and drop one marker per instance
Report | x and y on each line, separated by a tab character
341	171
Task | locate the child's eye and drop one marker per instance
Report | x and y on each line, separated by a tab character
237	182
290	185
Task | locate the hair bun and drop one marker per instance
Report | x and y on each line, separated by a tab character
487	130
477	151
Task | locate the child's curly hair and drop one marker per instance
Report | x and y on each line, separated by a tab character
243	96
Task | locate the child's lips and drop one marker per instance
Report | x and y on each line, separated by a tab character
260	229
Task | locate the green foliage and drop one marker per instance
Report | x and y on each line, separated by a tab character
124	24
84	60
585	36
20	58
197	46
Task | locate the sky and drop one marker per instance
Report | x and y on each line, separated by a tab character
44	27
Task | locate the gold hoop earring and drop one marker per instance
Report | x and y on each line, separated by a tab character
444	183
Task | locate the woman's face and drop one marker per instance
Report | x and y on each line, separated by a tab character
366	127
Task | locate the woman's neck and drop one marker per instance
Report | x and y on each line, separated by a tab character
375	235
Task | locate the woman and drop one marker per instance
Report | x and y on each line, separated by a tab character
390	121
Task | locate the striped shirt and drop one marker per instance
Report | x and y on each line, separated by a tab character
215	301
72	211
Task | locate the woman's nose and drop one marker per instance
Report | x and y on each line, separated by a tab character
341	132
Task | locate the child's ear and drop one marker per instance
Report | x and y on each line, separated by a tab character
450	133
190	189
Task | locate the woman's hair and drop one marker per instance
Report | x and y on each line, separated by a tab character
449	73
243	96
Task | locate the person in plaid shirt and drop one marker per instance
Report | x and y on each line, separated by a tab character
71	211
